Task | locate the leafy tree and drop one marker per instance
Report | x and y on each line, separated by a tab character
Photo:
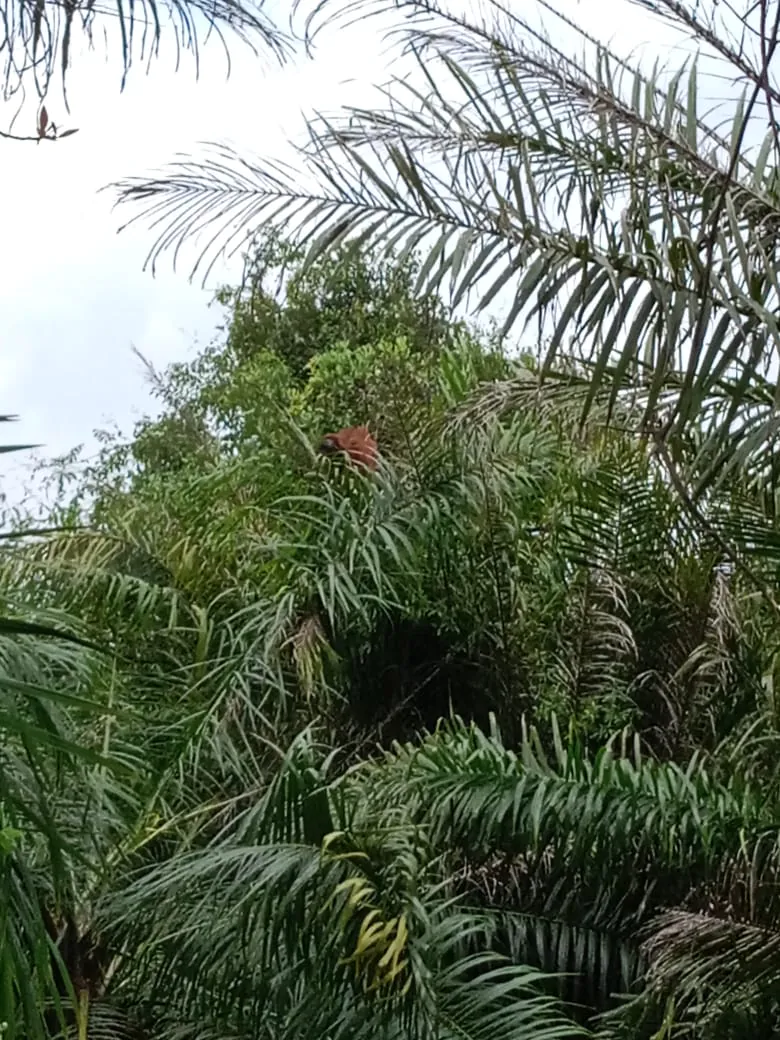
499	562
354	299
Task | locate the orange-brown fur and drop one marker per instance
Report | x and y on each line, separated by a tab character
354	441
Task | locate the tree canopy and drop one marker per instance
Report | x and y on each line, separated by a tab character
482	740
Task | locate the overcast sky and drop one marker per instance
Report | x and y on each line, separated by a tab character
74	297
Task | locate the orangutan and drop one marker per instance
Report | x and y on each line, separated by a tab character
354	441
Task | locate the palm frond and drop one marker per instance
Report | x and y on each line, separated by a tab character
715	966
351	916
486	796
39	36
26	952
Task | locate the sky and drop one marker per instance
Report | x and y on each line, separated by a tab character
74	296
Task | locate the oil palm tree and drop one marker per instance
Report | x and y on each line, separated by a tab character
456	887
531	563
314	914
585	193
59	797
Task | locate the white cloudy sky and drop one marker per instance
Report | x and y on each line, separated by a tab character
74	297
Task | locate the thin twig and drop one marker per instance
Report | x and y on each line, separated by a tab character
19	137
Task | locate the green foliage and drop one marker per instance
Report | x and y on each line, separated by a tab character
503	559
344	926
54	775
391	877
272	825
314	846
348	298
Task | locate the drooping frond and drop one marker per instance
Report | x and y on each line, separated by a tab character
38	37
713	964
343	929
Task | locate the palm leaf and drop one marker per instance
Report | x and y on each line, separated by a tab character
349	917
39	36
717	967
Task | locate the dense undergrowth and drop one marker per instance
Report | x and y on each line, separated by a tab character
481	741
